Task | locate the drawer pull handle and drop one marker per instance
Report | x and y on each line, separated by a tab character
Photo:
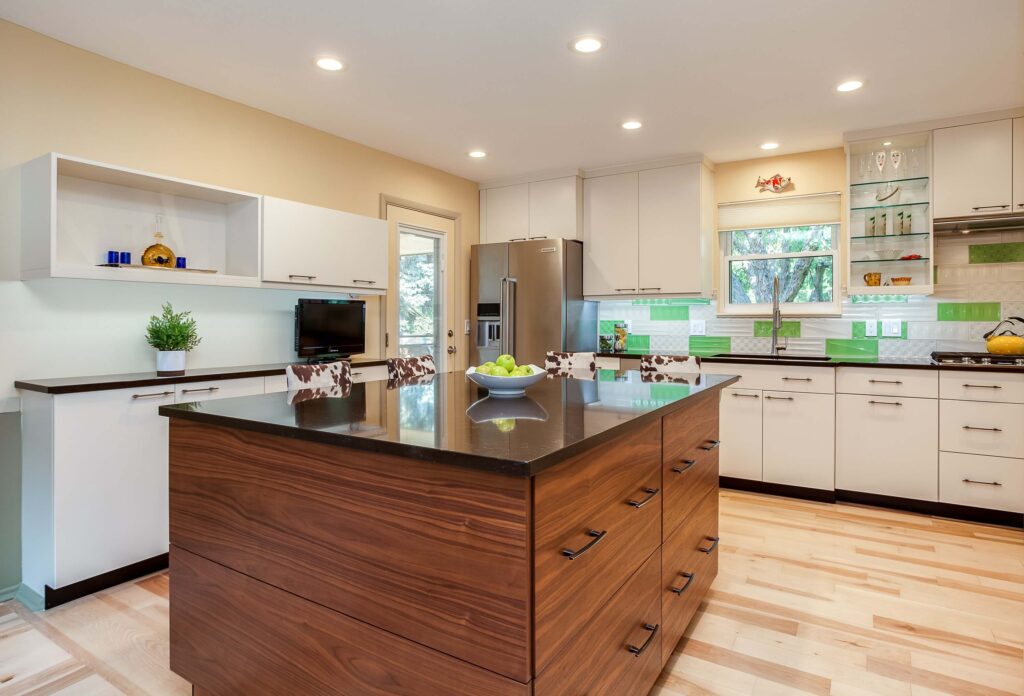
625	289
651	493
990	207
653	628
299	275
518	239
708	550
196	391
885	403
687	464
689	579
797	379
780	398
749	396
712	444
597	536
368	282
991	430
642	289
984	483
146	396
982	386
884	381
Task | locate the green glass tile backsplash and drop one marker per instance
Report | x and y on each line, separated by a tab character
1011	252
968	311
710	345
607	326
670	313
853	347
638	342
790	329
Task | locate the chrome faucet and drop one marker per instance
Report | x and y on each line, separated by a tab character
776	316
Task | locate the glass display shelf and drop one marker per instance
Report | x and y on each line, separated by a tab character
879	237
892	205
923	258
913	179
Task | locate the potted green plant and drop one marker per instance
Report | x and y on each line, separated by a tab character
173	334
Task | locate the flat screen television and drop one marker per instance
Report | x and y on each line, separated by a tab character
330	328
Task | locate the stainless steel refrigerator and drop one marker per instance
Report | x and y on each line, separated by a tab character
527	299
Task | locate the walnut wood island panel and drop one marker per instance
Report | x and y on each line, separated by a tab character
427	539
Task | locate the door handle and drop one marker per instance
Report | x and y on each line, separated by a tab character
196	391
452	350
991	430
651	493
885	403
687	464
299	275
689	580
146	396
597	537
884	381
984	483
638	651
990	207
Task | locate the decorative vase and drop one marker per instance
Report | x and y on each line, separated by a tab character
170	363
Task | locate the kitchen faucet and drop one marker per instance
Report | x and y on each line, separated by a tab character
776	316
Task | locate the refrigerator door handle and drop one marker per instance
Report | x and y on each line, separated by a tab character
508	315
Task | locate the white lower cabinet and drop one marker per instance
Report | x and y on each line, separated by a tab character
740	432
996	483
887	445
977	427
798	439
218	389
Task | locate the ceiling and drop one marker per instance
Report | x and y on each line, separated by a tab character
431	80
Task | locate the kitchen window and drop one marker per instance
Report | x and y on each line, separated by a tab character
795	239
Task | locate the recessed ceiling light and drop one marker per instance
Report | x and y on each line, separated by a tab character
769	146
477	154
331	64
849	86
631	125
887	143
586	44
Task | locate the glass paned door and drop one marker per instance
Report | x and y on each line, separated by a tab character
420	293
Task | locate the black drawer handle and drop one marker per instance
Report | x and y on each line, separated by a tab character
982	386
885	403
299	275
984	483
687	464
884	381
749	396
990	207
797	379
780	398
651	493
653	628
712	444
597	536
196	391
991	430
708	550
367	282
147	396
689	580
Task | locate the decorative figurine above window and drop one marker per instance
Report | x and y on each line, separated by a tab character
775	184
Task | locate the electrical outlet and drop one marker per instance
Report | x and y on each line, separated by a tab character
871	329
892	328
698	327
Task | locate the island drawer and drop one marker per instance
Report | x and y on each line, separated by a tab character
219	619
978	385
689	460
689	561
884	381
974	427
597	517
622	652
995	483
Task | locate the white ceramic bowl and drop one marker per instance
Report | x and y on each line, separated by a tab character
506	386
889	254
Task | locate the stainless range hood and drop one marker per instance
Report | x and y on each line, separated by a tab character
1003	222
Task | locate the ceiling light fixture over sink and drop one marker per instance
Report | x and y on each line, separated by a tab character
586	44
477	154
769	146
849	86
329	64
631	125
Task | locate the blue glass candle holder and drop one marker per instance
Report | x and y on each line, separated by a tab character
126	258
113	257
180	262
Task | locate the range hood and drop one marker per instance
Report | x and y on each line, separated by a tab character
979	223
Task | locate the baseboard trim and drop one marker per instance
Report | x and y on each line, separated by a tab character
780	489
928	507
29	598
55	597
9	592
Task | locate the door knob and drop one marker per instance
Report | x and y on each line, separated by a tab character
452	350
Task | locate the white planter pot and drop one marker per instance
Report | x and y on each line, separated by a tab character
170	362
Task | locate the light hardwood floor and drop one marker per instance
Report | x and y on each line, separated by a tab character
810	599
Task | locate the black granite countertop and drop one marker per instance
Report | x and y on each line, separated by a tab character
453	421
71	385
833	361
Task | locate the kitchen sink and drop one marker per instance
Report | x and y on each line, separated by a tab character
767	356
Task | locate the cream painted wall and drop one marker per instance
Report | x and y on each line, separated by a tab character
59	98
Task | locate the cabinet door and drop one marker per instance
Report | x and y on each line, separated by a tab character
888	445
973	169
555	207
799	439
610	234
109	480
363	259
508	213
1018	164
190	392
670	252
740	427
298	241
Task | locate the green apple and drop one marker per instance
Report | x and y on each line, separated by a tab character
484	369
506	361
505	425
522	371
499	371
489	363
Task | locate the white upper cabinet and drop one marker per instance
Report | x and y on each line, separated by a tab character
507	216
548	209
973	169
1018	165
671	230
611	234
308	245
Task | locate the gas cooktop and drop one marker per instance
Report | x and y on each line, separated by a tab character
944	358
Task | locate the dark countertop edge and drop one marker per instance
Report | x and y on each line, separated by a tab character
493	464
74	385
840	361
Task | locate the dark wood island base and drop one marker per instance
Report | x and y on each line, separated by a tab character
303	567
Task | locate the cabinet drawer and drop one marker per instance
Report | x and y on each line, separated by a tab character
689	460
369	374
888	382
818	380
689	564
975	427
996	483
622	652
218	389
584	506
976	385
887	445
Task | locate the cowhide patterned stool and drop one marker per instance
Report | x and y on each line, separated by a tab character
335	375
670	364
402	369
559	363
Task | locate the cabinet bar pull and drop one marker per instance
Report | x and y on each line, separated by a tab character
544	237
625	289
368	282
780	398
597	536
982	386
708	550
642	289
712	444
984	483
299	275
991	430
205	389
689	579
885	403
146	396
653	628
884	381
651	492
748	396
990	207
687	464
518	239
797	379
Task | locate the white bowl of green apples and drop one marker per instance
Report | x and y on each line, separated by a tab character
504	377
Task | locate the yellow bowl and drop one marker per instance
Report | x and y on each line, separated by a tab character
900	280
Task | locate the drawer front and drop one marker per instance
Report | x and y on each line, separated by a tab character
218	389
974	427
818	380
879	381
689	564
588	537
996	483
689	460
978	385
369	374
622	651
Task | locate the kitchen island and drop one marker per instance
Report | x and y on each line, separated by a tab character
427	539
